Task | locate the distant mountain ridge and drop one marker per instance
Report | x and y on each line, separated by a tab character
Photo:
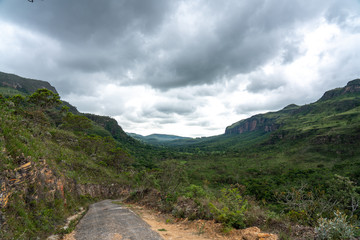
25	85
157	138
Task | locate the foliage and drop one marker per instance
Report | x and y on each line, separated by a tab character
335	229
230	208
76	122
305	204
194	191
45	98
170	179
74	157
18	100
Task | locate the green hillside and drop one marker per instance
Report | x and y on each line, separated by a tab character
13	82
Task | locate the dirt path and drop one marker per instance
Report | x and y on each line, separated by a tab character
181	229
113	220
108	221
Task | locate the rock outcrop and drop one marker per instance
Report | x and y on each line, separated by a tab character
352	87
49	185
257	122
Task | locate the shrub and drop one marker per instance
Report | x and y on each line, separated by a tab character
230	208
336	228
44	98
76	122
194	191
192	208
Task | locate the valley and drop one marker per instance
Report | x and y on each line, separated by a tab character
276	171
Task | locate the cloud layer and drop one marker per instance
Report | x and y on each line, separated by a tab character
183	67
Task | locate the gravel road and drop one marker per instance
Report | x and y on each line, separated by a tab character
108	221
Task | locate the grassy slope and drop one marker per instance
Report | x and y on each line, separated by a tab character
31	134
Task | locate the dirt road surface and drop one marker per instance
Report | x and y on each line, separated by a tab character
106	220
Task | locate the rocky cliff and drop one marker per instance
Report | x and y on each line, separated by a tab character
352	87
269	122
257	122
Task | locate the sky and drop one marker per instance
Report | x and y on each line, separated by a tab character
182	67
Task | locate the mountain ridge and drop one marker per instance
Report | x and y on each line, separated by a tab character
268	123
157	139
25	85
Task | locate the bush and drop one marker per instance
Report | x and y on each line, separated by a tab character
195	191
192	208
230	208
335	229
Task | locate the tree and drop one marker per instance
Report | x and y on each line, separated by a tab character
45	98
76	122
172	177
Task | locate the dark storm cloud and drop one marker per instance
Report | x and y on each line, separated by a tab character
94	36
243	37
145	42
87	20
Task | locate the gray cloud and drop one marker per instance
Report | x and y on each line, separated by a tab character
144	42
180	108
87	21
260	82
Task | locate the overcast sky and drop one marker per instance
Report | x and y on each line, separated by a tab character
184	67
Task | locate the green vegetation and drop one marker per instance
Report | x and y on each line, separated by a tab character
231	208
63	156
335	229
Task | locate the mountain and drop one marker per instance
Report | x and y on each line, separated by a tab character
335	101
336	115
157	139
23	85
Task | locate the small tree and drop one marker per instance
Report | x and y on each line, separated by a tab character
172	177
17	100
230	208
76	122
45	99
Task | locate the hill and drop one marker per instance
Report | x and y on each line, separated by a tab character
157	139
10	82
101	125
333	116
54	159
337	101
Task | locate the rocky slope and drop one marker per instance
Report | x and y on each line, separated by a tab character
339	100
